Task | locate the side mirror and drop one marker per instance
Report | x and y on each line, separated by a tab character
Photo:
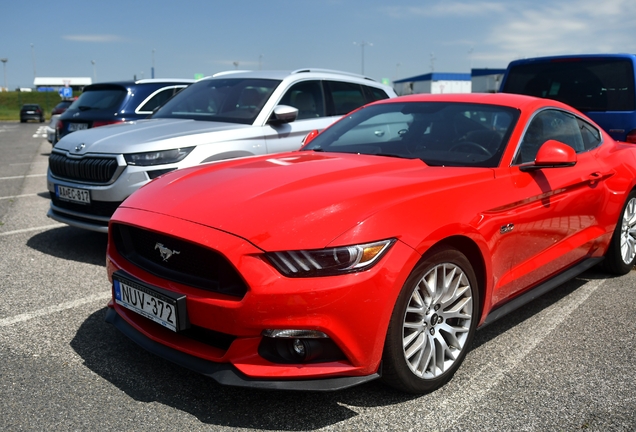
309	137
284	114
552	154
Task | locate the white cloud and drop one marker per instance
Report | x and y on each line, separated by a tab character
104	38
477	8
572	27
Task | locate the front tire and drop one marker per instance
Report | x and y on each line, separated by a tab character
621	254
433	323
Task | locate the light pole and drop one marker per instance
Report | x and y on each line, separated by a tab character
33	57
152	71
94	71
362	45
4	66
260	61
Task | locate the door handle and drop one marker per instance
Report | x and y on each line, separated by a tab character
594	177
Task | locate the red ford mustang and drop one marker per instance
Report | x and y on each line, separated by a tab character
377	249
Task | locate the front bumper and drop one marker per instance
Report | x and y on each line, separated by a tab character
225	373
352	310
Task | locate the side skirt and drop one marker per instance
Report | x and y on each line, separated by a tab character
539	290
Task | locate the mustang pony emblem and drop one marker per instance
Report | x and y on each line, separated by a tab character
165	252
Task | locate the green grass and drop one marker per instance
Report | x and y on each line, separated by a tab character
11	102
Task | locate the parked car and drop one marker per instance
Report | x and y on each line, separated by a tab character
378	249
227	116
61	106
117	102
51	135
603	86
31	112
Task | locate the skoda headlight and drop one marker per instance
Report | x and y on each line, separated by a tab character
157	157
330	261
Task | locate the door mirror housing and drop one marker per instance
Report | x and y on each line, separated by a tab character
552	154
284	114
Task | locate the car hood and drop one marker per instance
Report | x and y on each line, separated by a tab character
296	200
147	135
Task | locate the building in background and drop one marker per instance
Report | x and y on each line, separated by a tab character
486	80
55	83
435	83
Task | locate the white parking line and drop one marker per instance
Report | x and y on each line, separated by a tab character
54	309
534	331
22	176
18	196
40	228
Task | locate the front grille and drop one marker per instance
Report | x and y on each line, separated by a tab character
91	169
189	264
95	208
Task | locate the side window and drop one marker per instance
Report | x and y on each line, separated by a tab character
550	124
157	99
591	136
345	96
374	94
307	97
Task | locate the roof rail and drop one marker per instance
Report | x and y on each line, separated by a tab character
159	80
230	72
306	70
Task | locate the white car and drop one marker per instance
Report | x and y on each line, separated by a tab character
50	129
232	114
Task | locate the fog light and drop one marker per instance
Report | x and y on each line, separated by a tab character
299	348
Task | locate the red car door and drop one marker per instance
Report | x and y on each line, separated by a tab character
553	212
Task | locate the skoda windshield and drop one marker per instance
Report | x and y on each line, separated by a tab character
230	100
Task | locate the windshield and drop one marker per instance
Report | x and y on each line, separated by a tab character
438	133
232	100
585	84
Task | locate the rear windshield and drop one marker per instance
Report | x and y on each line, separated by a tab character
100	99
232	100
585	84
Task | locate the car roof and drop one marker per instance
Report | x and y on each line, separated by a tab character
574	57
301	73
505	99
141	82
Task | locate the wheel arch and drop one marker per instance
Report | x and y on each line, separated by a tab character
473	253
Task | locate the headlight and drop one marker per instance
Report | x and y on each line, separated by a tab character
329	262
158	157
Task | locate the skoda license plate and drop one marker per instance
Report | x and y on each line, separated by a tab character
81	196
165	308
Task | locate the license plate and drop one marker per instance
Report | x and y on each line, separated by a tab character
81	196
163	307
72	127
30	112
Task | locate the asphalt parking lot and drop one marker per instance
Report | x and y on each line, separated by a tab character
567	361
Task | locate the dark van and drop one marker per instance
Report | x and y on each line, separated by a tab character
602	86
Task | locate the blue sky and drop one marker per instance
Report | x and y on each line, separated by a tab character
401	38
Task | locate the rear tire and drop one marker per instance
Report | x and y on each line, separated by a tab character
621	254
433	323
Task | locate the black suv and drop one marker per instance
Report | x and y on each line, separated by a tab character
116	102
31	112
